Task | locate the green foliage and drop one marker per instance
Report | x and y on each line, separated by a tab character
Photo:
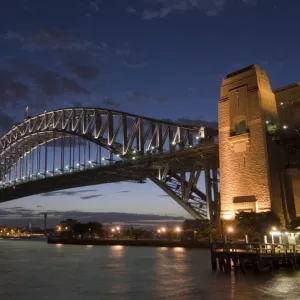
256	224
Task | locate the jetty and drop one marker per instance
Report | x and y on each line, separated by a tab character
255	256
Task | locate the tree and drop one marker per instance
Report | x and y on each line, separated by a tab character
95	228
256	224
80	229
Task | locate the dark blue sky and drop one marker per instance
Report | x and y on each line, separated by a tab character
158	58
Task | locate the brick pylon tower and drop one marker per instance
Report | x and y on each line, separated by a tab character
249	180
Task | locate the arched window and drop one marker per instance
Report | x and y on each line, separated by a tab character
239	125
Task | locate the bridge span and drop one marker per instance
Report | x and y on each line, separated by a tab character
257	145
76	147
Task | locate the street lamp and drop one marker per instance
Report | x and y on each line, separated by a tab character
113	230
163	229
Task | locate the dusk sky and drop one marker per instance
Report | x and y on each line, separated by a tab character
156	58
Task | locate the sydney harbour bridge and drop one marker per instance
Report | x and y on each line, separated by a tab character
256	148
77	147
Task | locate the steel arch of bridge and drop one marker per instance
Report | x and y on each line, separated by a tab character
165	151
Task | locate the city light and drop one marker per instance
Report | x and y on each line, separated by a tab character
118	228
113	230
284	126
178	229
230	229
227	216
158	230
163	229
274	228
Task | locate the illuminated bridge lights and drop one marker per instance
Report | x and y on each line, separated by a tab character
82	140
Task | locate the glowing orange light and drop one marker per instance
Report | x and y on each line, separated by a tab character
177	229
230	229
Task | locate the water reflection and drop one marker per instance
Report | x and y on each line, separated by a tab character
117	247
32	270
178	249
164	248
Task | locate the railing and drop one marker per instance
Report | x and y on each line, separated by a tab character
256	248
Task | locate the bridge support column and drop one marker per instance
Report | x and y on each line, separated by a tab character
248	178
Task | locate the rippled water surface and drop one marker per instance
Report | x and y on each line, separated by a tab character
35	271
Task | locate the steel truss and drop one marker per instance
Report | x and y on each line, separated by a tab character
126	137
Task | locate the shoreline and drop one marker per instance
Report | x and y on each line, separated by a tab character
131	243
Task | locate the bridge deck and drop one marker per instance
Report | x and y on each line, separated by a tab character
136	170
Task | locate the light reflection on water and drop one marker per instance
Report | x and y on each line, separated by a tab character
37	271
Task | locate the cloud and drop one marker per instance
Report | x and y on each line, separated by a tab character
110	102
191	89
50	83
66	193
103	46
6	122
50	39
139	96
95	5
86	72
250	2
53	84
11	89
91	197
124	50
22	217
194	122
130	10
77	104
163	8
133	64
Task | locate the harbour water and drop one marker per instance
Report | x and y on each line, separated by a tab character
32	270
